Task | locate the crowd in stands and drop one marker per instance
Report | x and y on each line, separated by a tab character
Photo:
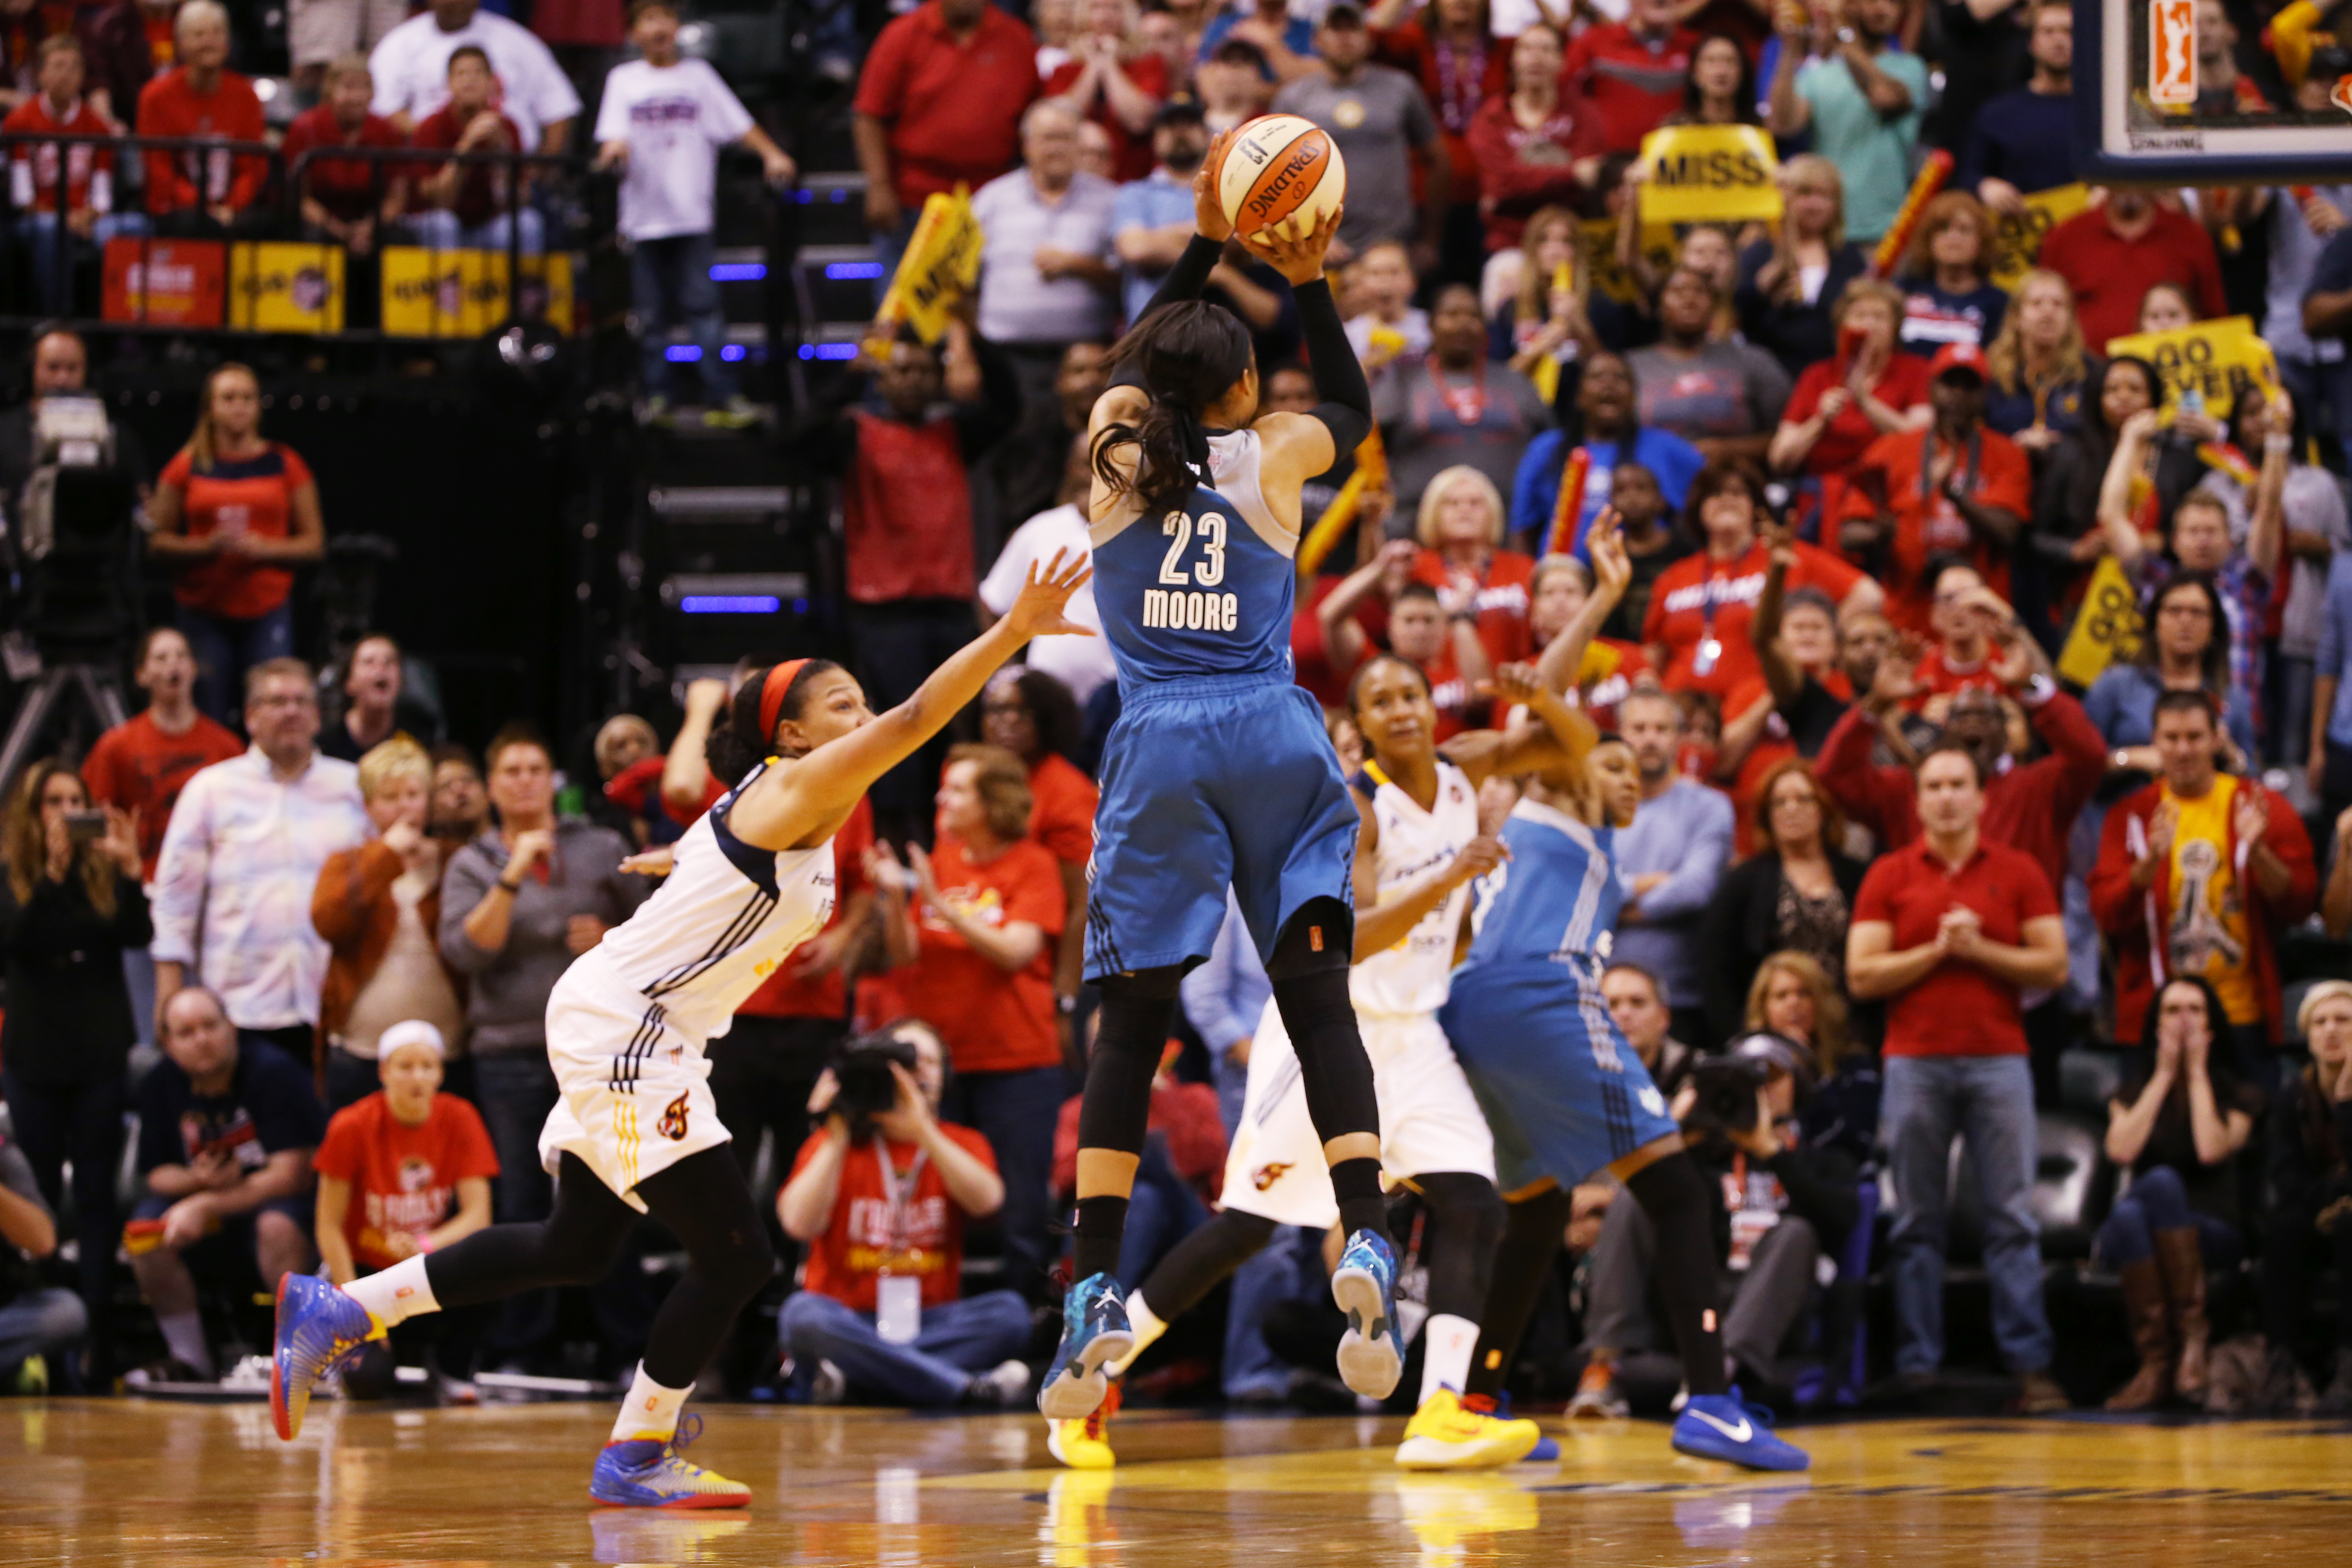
1937	871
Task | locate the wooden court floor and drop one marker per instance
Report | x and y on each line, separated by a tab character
98	1483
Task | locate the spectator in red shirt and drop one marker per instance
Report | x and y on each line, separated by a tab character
1950	931
141	765
883	1201
939	104
347	200
1444	648
971	932
1965	616
1033	716
1956	487
59	109
1460	530
1531	151
2113	253
1869	388
197	193
233	512
475	205
403	1171
1114	79
1450	49
1630	73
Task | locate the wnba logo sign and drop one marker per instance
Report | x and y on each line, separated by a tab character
2172	53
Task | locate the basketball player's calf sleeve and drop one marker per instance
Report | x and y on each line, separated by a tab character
1533	1233
1137	1010
574	1244
1195	1265
1687	1275
705	1202
1466	1213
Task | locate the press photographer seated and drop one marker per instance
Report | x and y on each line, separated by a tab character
879	1195
1783	1207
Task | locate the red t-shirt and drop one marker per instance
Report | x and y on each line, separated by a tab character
1927	524
1501	600
251	496
349	188
1062	816
598	23
1772	747
1680	601
953	110
1630	83
1130	151
924	1235
1904	384
137	767
2111	275
403	1179
167	107
826	996
1960	1009
483	191
32	116
992	1021
1937	676
906	511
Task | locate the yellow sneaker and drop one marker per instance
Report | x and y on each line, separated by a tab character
1447	1435
1086	1444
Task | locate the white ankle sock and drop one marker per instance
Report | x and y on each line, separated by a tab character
397	1294
183	1336
650	1411
1148	1328
1446	1345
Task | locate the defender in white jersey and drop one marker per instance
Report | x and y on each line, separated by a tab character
636	1128
1418	848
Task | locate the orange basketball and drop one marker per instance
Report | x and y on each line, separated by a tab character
1281	172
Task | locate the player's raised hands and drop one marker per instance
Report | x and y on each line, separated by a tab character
1208	200
1041	610
1298	257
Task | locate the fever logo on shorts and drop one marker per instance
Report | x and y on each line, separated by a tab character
1266	1176
672	1125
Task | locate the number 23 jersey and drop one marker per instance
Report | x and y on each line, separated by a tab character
1204	589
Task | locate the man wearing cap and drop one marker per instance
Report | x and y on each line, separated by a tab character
1785	1208
1378	116
405	1171
1953	488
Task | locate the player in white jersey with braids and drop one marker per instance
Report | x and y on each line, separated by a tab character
1418	850
636	1128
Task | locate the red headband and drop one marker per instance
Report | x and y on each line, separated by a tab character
779	681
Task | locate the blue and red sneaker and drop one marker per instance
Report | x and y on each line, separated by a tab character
318	1327
646	1472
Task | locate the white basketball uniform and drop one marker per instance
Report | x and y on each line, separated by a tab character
1429	1119
626	1024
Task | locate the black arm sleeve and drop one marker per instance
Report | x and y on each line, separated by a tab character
1184	281
1347	406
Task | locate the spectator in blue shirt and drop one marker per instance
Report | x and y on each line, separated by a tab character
1862	102
2023	140
1670	860
1151	218
1609	429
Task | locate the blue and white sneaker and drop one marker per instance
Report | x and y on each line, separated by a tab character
1093	1334
318	1327
1364	1287
1726	1426
646	1472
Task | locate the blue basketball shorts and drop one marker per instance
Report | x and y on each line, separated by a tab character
1206	782
1563	1092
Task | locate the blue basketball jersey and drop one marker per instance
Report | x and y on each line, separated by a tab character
1555	898
1206	589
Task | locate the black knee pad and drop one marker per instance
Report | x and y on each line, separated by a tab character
1137	1009
1320	935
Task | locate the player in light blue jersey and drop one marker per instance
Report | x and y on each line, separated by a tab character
1564	1093
1218	771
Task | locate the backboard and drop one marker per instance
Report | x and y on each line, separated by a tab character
2142	114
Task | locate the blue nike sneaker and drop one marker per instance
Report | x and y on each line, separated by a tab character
1725	1426
646	1472
317	1327
1370	1360
1093	1334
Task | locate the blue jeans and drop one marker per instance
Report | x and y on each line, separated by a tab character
438	228
2157	1202
52	284
1015	1111
226	647
671	286
1274	1275
1990	1101
515	1089
39	1322
958	1339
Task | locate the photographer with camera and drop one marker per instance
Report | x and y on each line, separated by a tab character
879	1195
60	370
1784	1207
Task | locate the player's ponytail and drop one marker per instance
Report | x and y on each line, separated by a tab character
747	733
1186	355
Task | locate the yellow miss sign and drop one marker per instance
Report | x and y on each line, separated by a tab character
2217	359
1707	173
941	265
2017	239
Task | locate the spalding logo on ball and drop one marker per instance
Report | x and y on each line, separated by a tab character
1281	172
